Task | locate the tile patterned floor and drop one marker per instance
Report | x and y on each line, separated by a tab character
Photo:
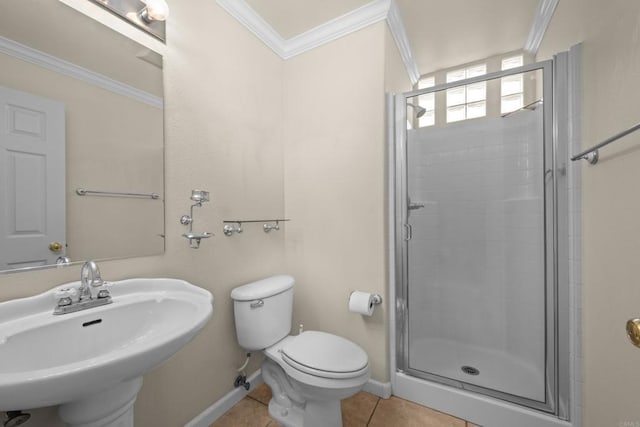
363	409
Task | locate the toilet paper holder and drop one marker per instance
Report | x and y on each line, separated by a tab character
364	303
376	299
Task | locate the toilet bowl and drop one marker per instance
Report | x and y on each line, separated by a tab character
308	373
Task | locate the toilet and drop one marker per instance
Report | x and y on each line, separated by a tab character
308	373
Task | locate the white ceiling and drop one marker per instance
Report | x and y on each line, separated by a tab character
442	33
447	33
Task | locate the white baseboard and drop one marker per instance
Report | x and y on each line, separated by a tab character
378	388
219	408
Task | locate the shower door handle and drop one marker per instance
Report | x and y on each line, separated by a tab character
409	233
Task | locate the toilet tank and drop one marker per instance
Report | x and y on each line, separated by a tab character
263	311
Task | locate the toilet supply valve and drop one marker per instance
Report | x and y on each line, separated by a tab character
300	329
241	381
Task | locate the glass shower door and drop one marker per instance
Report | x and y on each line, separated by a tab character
478	267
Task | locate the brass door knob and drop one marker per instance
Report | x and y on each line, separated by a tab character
633	331
55	247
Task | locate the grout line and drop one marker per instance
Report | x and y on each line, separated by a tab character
271	420
253	398
373	412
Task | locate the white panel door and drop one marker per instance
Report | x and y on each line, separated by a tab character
32	178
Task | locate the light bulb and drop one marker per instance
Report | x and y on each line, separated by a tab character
155	10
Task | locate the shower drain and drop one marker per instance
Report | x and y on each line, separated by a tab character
470	370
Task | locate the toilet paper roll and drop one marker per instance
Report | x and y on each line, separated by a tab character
361	303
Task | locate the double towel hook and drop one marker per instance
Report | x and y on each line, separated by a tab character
232	227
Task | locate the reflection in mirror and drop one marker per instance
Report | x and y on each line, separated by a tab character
82	108
147	15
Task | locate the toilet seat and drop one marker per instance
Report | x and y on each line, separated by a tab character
325	355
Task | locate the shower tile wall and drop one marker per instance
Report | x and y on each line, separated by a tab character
476	259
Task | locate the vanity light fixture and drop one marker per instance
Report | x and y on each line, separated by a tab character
147	15
154	10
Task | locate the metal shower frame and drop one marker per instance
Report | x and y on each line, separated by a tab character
557	376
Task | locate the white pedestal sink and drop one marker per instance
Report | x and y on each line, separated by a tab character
91	362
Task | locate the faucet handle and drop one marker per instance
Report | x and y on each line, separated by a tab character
103	293
97	282
65	296
103	289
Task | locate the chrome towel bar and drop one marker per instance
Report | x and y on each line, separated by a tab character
83	192
591	155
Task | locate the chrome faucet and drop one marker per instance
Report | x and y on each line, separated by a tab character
89	269
89	278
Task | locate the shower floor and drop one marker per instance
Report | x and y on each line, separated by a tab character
497	370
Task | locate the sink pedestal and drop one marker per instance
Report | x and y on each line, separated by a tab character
110	408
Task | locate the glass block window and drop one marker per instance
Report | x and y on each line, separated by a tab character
428	102
512	87
469	101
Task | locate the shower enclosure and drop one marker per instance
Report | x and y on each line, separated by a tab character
477	208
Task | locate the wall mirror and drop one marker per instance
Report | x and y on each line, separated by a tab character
82	108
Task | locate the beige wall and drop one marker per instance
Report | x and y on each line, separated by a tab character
334	186
611	70
223	126
335	183
304	139
223	133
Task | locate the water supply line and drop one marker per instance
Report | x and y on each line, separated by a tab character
241	379
244	365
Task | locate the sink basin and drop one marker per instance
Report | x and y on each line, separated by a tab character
50	360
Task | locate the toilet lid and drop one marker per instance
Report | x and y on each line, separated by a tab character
323	354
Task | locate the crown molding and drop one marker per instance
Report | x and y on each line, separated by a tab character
399	33
348	23
544	13
248	17
57	65
370	13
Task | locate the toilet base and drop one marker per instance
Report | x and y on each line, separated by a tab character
289	417
325	413
292	408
